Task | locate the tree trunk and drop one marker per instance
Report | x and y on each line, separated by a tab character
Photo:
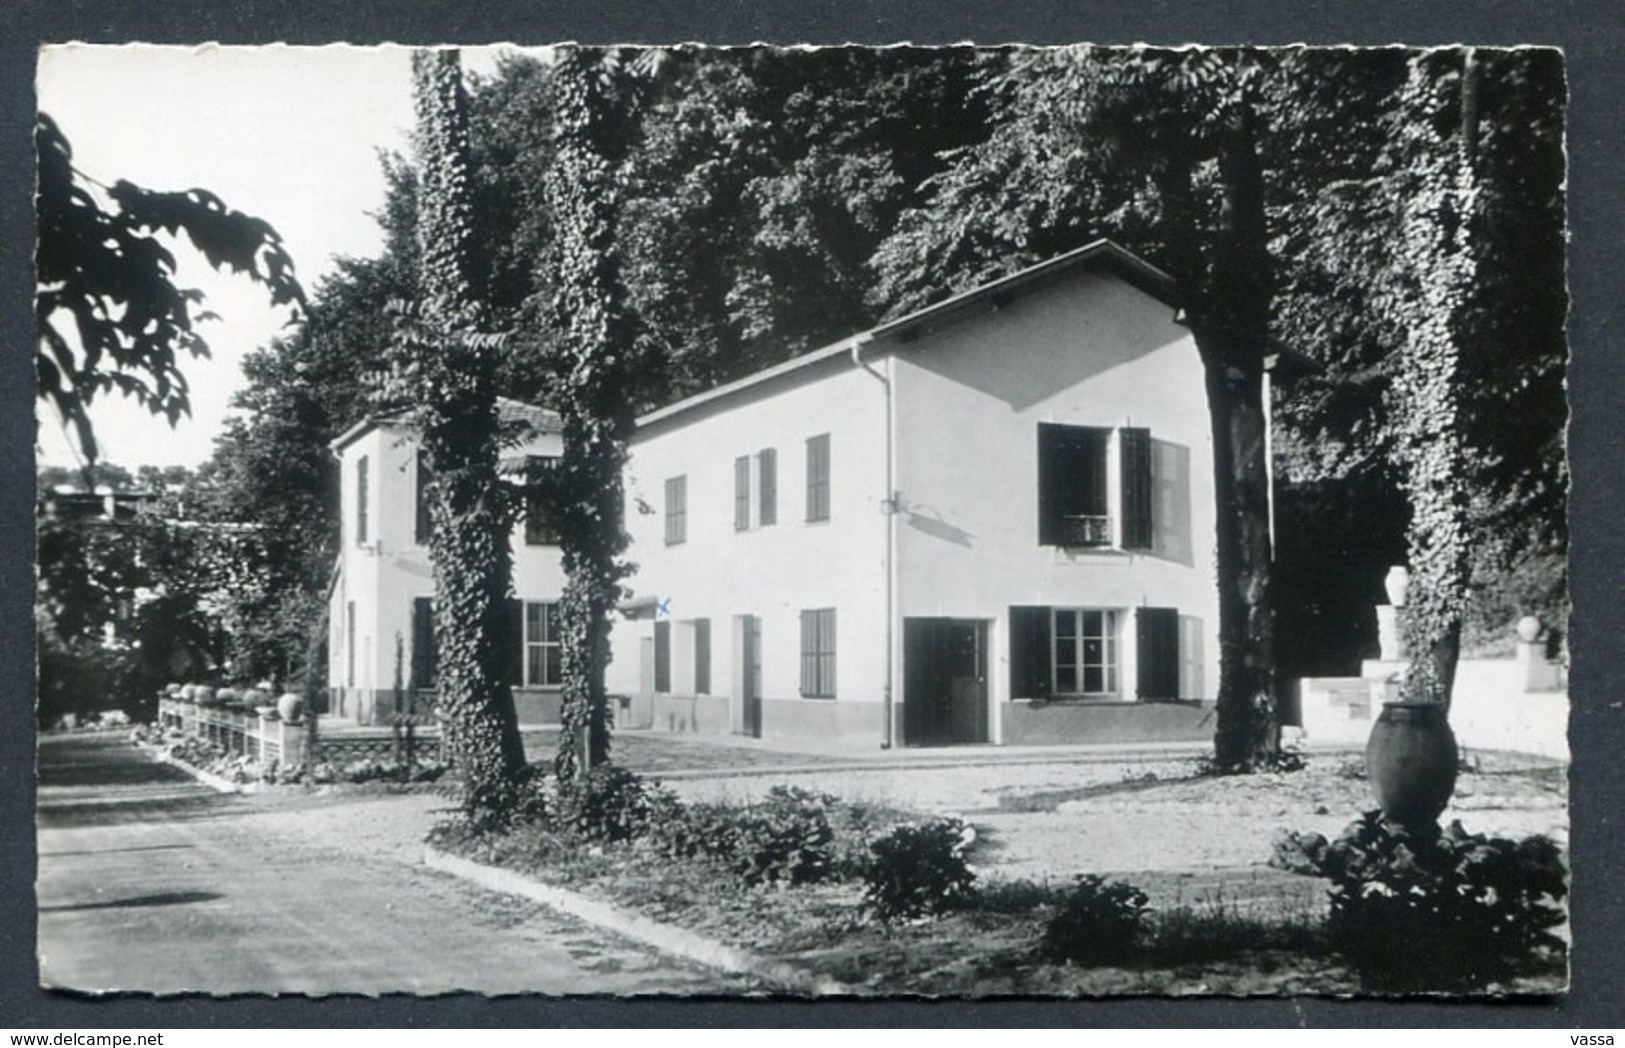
455	394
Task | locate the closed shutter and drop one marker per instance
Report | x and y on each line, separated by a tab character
663	657
767	466
1049	487
742	493
1135	445
702	656
511	642
1158	652
1029	652
423	653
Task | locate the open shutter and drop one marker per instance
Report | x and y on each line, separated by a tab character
423	653
767	466
1029	652
1158	652
1049	484
1135	446
742	493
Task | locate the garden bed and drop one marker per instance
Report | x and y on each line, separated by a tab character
1254	931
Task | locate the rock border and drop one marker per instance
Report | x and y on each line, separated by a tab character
679	942
215	782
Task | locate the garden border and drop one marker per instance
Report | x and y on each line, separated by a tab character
667	938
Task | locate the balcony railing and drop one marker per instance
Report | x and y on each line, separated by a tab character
1086	530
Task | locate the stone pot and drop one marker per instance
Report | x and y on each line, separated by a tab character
1395	583
1529	629
1411	762
290	707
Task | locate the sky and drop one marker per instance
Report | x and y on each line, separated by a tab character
289	134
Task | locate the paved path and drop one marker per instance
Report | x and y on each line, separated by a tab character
151	882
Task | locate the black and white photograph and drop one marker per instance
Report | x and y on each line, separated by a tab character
687	521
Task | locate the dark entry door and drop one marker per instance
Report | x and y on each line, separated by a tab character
944	681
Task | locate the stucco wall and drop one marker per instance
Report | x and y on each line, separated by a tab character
383	575
772	572
1087	350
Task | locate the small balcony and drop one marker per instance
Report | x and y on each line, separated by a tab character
1086	530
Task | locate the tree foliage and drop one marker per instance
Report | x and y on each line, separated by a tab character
110	316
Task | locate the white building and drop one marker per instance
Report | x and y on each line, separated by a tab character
989	521
381	640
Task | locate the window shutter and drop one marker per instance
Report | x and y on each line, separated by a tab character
511	642
702	656
1049	485
1158	652
742	493
423	652
767	467
1029	652
361	499
818	477
1135	447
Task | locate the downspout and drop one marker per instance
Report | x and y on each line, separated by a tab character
888	737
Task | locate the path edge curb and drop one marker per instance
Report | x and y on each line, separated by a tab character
207	778
664	937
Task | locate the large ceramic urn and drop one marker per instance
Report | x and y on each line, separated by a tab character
1411	761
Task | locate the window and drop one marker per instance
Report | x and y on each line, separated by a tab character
663	657
541	524
1075	502
424	529
818	477
361	499
818	654
676	510
543	652
767	480
742	493
1084	658
423	649
702	656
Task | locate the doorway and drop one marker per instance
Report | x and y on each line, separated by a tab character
747	719
944	681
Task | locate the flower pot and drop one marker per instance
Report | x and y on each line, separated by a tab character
269	713
1411	762
1529	629
290	707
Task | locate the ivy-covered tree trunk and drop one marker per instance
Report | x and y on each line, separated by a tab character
449	368
1437	272
589	310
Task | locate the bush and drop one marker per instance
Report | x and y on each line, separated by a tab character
1444	911
609	804
786	839
1099	922
921	870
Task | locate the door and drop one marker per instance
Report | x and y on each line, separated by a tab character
748	675
944	681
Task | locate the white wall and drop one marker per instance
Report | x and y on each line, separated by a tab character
384	574
772	572
1084	350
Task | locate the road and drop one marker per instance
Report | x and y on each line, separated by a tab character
151	882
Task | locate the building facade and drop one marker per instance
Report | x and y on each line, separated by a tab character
991	521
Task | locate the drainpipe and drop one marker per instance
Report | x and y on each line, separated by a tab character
888	737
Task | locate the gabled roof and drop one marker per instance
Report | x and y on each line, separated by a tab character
538	420
1103	255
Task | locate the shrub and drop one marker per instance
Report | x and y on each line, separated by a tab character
921	870
1445	911
1099	922
609	803
786	838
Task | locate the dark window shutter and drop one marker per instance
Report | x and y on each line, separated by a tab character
361	499
1135	445
663	657
1158	652
423	652
511	642
1029	652
767	466
1049	485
